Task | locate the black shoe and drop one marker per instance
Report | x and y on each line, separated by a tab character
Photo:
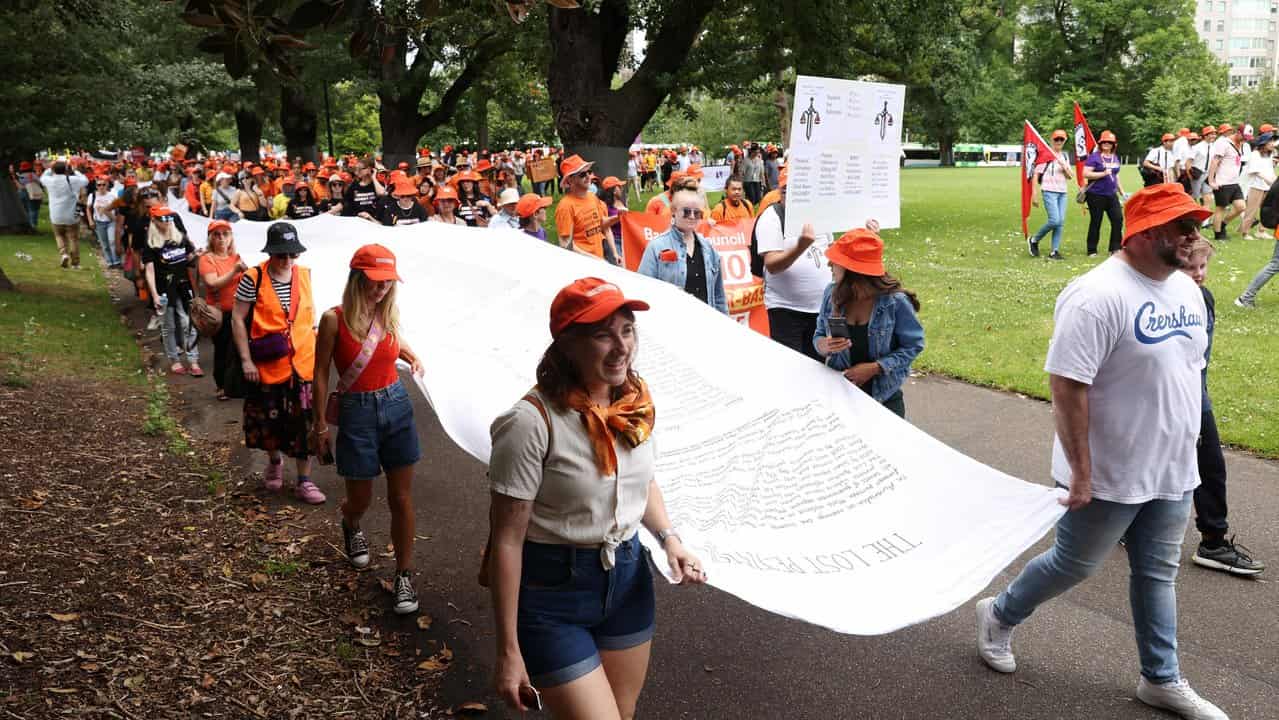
1054	255
1220	235
405	595
357	547
1228	557
1034	247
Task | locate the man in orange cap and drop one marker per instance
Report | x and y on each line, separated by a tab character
1199	157
1224	168
1124	370
1181	158
1158	167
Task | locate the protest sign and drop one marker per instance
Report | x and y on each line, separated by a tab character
844	153
542	170
715	177
799	493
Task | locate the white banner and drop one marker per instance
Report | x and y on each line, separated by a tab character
845	146
800	494
715	177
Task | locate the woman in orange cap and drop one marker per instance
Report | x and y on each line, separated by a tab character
571	481
1054	173
250	201
1104	193
473	206
220	268
867	327
372	409
404	209
612	193
532	211
446	206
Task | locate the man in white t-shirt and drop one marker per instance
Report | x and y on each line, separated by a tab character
1181	157
795	276
1124	369
1225	163
1159	163
1200	145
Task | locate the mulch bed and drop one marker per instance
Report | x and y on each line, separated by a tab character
138	584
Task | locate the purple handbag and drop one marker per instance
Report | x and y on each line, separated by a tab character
269	347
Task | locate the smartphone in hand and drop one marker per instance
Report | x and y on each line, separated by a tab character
837	327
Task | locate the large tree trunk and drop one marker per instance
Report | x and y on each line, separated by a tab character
299	121
593	119
400	129
946	151
13	216
248	128
482	119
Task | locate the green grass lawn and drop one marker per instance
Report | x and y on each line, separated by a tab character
59	323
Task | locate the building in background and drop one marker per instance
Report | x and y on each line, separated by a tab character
1242	34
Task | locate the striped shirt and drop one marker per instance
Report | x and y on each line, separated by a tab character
247	290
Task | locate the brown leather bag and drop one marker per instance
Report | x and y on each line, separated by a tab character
206	318
535	401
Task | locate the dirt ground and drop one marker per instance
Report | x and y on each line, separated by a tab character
142	579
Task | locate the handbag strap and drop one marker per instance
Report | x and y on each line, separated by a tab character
361	361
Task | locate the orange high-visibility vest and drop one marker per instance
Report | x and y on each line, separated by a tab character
269	317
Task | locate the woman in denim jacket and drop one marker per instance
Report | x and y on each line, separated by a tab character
667	256
882	335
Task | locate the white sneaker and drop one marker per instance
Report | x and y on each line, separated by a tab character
1179	698
153	324
994	639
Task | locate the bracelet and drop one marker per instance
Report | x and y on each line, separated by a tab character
320	430
664	535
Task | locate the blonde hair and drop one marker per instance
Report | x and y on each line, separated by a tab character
355	300
156	238
1203	247
230	243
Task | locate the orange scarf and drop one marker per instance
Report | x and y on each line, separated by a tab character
631	416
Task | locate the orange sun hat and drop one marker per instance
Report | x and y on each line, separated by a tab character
1158	204
860	251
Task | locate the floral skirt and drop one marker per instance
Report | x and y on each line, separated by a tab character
278	417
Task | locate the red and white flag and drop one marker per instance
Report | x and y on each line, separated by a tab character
1034	152
1085	143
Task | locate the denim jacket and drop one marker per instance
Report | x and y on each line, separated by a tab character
676	273
895	335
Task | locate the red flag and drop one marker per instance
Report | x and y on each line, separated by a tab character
1084	144
1034	152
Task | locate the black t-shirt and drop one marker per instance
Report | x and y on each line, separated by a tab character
171	261
695	278
393	214
471	212
358	198
859	348
299	210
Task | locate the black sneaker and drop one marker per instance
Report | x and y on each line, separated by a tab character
1054	255
405	595
357	547
1219	235
1228	557
1034	247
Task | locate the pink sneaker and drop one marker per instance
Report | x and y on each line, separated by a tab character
273	476
307	492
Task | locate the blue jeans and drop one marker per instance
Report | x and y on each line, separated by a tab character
33	210
1153	533
103	229
1263	276
1055	205
178	333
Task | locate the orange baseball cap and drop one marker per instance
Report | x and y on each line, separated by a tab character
1166	137
676	175
445	192
217	225
1106	136
1059	134
860	251
574	164
611	182
531	203
588	300
1208	130
1225	128
1159	204
161	211
376	262
1265	128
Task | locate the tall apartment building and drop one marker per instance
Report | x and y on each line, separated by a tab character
1242	34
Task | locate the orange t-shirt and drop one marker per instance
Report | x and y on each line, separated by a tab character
660	205
725	212
319	190
583	219
771	197
224	298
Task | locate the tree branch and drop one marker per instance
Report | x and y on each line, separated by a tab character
645	91
487	49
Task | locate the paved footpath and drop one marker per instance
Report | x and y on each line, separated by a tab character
717	657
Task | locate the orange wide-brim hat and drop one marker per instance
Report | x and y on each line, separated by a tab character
1159	204
860	251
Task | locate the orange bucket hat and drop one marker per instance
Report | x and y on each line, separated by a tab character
860	251
1159	204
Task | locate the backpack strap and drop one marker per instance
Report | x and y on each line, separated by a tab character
532	398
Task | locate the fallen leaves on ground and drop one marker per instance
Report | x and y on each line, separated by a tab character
135	587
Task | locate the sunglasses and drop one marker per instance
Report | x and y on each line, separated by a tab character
1187	226
688	213
1059	139
281	256
149	194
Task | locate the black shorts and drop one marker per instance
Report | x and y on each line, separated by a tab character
1227	194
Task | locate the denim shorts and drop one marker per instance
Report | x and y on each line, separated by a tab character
376	432
571	608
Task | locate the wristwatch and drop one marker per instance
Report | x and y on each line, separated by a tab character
662	535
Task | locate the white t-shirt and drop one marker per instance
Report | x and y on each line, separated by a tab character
1163	158
801	285
1199	156
1139	344
1181	151
1231	161
1259	171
